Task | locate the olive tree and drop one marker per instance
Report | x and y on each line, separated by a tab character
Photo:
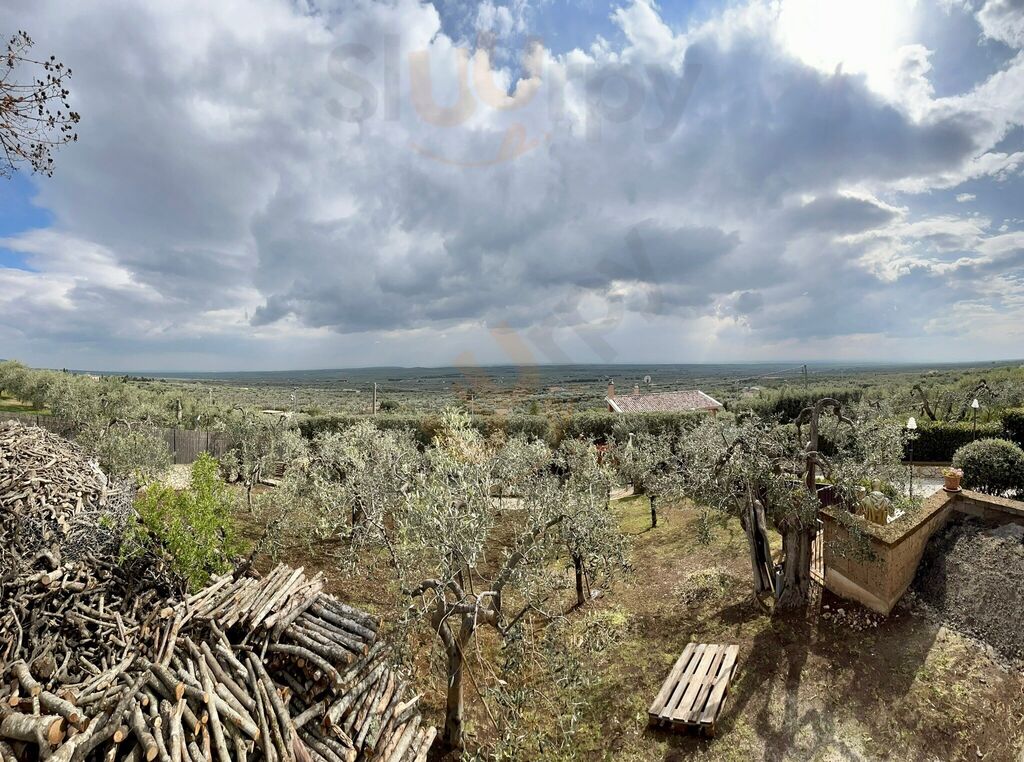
644	460
362	475
259	444
768	475
952	404
13	376
734	467
463	556
127	450
591	532
454	569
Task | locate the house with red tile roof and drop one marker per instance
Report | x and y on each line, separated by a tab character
686	401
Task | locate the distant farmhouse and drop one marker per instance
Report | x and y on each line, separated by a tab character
688	401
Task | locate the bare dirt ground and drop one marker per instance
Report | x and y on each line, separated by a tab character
972	576
836	684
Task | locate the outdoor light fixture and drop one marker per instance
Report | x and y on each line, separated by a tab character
974	426
912	427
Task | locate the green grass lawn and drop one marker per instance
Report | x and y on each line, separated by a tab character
10	405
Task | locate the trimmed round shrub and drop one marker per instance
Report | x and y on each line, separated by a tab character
993	466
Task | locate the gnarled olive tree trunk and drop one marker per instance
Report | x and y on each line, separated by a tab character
577	564
795	582
455	648
798	532
449	604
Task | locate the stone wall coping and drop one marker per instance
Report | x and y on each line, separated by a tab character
1013	507
896	531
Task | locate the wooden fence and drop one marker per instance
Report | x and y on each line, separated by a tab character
818	555
184	444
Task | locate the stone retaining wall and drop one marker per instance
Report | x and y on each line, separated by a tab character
874	564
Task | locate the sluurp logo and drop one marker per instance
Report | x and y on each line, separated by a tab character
502	125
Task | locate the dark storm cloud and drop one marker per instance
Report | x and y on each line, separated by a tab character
841	215
216	193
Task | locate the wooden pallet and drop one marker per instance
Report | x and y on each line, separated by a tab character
696	688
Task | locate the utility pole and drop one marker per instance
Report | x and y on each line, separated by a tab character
373	410
805	377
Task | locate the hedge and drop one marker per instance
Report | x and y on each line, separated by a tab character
1013	425
602	426
938	441
785	404
423	426
599	426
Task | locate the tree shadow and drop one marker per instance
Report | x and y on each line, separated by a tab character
643	531
768	691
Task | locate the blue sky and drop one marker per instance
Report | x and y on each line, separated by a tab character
17	215
314	183
565	24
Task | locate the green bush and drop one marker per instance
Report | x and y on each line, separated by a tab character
137	452
937	441
423	426
993	466
601	426
194	526
785	404
1013	425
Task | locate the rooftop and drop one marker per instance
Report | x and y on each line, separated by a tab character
664	402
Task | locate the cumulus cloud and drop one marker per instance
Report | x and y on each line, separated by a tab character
261	177
1003	20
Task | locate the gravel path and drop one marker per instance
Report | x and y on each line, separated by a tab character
177	477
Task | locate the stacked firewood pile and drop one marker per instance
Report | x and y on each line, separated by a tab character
51	493
104	658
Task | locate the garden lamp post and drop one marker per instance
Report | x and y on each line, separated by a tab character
974	408
912	429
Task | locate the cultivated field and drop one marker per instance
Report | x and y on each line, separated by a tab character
562	389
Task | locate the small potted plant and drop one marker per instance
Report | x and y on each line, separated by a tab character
952	476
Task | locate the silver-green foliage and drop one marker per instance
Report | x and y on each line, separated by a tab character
756	465
591	533
472	528
135	451
260	444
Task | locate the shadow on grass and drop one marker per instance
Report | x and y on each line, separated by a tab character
641	532
768	693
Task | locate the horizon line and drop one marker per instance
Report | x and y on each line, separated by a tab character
799	363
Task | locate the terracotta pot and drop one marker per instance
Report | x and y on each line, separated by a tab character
951	483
